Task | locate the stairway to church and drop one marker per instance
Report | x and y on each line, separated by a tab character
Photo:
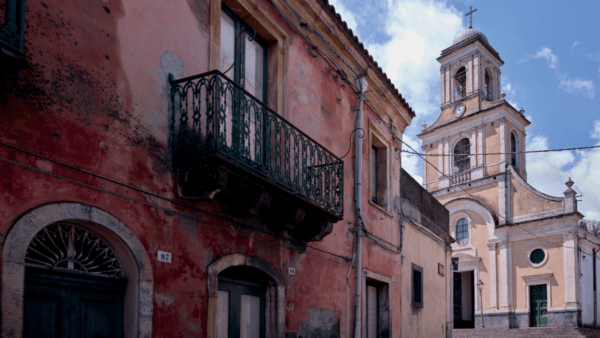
546	332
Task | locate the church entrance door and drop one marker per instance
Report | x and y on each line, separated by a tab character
538	305
464	300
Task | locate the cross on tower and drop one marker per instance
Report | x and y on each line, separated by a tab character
471	14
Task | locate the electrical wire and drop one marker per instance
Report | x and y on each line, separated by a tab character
509	153
168	210
471	195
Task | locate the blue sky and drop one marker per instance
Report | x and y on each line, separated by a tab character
551	51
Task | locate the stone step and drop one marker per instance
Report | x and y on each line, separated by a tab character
549	332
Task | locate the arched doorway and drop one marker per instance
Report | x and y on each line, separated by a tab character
236	281
132	255
74	285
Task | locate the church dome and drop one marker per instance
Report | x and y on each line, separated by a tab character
467	33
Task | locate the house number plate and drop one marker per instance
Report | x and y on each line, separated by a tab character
164	256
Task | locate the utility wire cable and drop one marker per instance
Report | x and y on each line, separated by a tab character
509	153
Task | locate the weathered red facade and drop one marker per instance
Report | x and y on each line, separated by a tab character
85	131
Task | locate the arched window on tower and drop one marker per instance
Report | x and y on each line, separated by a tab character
462	160
513	149
460	84
488	86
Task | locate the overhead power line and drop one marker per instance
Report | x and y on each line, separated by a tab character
509	153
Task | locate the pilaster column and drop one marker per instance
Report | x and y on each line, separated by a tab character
498	86
424	151
493	278
449	96
570	245
473	147
502	144
447	159
441	158
480	145
523	158
443	84
476	72
505	279
470	77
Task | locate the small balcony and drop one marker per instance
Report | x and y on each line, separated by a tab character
460	177
229	146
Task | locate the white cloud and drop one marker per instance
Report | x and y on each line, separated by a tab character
544	53
577	86
418	31
547	172
411	163
596	132
510	90
346	15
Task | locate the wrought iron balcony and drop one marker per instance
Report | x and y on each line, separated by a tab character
12	26
221	131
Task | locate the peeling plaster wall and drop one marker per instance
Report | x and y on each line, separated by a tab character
95	96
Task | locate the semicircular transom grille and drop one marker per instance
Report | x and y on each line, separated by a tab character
70	247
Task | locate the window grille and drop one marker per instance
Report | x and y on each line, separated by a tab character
70	247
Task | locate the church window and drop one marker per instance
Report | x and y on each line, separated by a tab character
513	150
537	256
488	86
462	160
462	231
460	84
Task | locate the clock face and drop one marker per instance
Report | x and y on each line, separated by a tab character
459	109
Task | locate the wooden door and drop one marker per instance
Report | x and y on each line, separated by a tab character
243	315
66	305
538	305
457	300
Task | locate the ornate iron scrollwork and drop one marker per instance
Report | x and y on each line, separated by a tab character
66	246
214	117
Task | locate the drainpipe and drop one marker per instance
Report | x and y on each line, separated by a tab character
362	85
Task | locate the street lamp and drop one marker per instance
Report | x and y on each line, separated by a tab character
480	287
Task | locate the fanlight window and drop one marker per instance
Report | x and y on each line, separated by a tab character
460	84
488	88
462	231
462	160
513	150
69	247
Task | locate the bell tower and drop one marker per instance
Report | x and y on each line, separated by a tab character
478	134
469	72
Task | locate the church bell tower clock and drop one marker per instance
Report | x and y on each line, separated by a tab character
475	120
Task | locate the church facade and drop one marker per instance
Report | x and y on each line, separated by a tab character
521	260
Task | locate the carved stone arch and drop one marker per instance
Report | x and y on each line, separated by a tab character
463	204
275	298
138	306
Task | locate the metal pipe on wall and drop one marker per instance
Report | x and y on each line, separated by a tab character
362	84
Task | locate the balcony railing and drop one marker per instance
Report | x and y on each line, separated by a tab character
214	117
461	177
12	25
